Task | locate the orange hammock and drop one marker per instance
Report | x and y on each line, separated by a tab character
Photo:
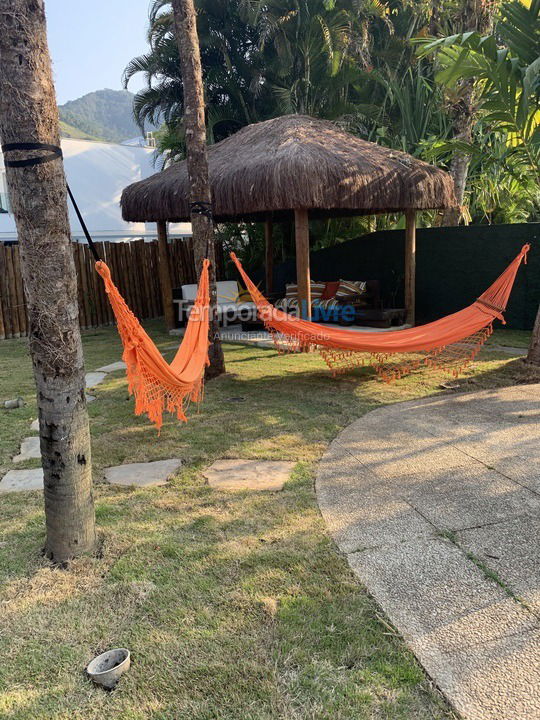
158	386
449	343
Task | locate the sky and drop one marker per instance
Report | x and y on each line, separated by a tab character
92	42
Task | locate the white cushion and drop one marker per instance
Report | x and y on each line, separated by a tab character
189	292
227	292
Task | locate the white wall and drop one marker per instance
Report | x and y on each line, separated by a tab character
97	172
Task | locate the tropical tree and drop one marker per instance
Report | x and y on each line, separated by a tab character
347	60
313	49
29	114
501	188
185	23
230	61
259	59
506	70
473	17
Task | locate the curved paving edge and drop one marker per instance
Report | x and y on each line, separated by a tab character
436	504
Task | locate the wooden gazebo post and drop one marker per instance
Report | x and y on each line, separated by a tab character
269	255
165	275
410	265
303	279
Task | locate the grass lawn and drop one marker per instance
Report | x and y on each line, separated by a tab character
236	606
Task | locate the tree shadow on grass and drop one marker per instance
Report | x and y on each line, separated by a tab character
251	613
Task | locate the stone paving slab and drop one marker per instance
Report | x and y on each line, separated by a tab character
92	379
240	474
512	550
404	455
359	509
496	681
30	450
143	474
22	480
113	367
466	465
437	597
465	497
507	349
520	469
501	441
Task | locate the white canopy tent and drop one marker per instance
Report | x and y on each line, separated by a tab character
97	172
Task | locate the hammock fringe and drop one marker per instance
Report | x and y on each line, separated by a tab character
157	386
449	344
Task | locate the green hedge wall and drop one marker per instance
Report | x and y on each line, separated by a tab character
454	265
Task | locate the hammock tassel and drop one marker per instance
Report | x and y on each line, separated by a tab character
450	343
156	385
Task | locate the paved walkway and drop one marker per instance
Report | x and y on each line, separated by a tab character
437	505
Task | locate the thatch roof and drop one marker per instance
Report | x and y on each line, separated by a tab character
294	162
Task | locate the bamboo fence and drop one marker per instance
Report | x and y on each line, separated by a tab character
134	267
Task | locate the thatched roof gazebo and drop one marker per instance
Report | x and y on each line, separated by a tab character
303	167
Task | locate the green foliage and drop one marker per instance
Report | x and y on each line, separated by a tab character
103	115
508	81
263	59
501	189
353	61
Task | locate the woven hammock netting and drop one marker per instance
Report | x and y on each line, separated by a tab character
448	344
157	385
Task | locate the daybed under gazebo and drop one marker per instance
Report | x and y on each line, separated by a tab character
301	167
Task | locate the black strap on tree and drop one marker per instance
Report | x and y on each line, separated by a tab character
55	152
199	207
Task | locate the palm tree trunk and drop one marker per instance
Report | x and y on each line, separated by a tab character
464	119
185	20
533	355
474	15
28	113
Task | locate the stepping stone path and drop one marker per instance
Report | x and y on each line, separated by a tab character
113	367
134	474
29	450
248	474
143	474
137	474
21	480
92	379
413	493
506	349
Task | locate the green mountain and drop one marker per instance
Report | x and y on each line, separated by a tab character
72	132
100	115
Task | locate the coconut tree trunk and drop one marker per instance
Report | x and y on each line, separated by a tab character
474	15
185	21
533	355
28	113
